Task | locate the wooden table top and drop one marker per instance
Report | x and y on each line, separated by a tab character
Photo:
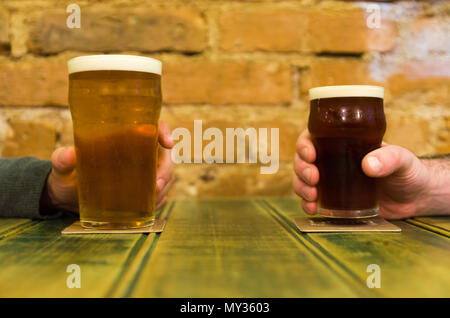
225	248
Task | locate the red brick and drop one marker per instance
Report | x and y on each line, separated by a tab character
66	133
421	82
285	30
30	138
4	30
443	145
335	72
121	29
44	82
347	32
221	180
226	82
428	81
33	83
288	131
410	132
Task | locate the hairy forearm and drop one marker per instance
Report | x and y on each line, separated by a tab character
437	201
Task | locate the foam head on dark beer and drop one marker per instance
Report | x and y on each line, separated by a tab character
346	91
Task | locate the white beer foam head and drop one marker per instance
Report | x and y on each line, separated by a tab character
346	91
114	62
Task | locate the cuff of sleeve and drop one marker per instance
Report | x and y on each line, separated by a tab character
23	181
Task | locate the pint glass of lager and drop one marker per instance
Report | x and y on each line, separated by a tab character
346	123
115	102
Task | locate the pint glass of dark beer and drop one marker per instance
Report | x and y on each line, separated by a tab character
115	102
346	122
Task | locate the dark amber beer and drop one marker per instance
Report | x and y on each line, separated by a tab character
346	123
115	103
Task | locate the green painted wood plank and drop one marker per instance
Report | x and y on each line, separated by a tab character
135	265
232	248
429	227
352	280
34	261
8	225
414	263
442	222
439	221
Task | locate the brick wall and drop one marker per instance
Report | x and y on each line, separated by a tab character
231	64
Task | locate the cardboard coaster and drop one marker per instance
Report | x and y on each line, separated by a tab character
76	228
322	224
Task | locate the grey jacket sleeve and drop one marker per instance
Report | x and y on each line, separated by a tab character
22	181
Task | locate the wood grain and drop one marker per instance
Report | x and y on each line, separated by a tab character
439	221
34	261
438	224
9	226
233	248
224	248
414	263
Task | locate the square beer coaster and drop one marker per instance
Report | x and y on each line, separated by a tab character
76	228
323	224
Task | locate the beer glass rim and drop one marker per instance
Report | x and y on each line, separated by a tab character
346	91
114	62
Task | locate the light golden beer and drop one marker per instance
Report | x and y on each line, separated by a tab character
115	103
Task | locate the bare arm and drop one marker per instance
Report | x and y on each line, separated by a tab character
438	200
